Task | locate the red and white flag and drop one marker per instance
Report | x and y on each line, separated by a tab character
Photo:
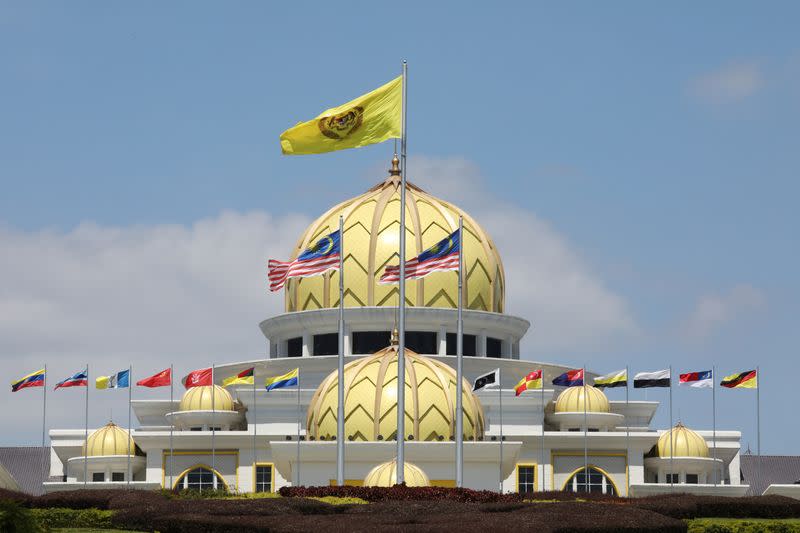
197	378
317	259
442	256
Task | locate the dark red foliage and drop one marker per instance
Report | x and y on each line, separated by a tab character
690	506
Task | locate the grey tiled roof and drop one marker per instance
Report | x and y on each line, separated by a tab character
775	469
24	463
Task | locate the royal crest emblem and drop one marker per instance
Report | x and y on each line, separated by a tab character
342	125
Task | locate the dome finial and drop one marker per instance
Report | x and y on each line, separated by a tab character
395	170
395	337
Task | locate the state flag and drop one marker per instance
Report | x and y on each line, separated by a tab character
490	380
162	379
198	378
697	380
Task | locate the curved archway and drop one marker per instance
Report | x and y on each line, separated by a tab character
200	477
598	481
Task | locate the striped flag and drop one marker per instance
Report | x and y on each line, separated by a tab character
34	379
442	256
659	378
317	259
289	379
614	379
80	379
698	380
743	380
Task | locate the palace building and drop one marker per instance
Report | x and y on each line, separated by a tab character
255	435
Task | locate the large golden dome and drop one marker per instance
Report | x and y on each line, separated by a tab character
370	243
370	400
688	443
109	440
571	400
200	399
385	475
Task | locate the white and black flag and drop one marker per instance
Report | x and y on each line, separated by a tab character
492	379
645	380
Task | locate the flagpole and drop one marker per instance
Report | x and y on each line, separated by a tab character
541	452
44	429
340	438
460	370
758	420
299	418
401	348
627	436
130	397
171	425
255	429
671	437
585	433
500	398
86	429
714	419
213	424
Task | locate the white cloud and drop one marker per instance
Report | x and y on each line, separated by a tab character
729	84
712	311
547	281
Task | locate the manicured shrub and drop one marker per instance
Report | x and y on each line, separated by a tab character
15	518
75	499
59	517
691	506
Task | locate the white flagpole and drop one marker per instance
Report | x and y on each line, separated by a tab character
541	451
45	453
255	430
86	430
460	368
401	348
758	420
213	426
171	424
500	398
671	437
627	436
714	419
299	421
130	398
340	437
585	433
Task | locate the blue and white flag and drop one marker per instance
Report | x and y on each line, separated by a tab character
120	380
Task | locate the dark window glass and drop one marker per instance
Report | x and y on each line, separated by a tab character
366	342
590	480
526	476
470	344
294	347
200	479
98	476
117	476
196	429
326	344
264	478
422	341
691	479
494	347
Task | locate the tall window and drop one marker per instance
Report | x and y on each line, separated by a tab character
494	347
470	344
200	479
294	347
526	478
422	341
591	480
264	478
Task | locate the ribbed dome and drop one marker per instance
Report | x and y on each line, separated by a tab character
385	475
199	399
370	396
687	443
370	243
109	440
571	400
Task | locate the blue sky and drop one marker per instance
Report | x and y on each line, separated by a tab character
650	147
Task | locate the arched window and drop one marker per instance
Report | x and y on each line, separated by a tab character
200	479
590	480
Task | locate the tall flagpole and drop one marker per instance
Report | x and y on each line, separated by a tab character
714	418
213	426
585	433
627	436
45	475
255	429
340	436
541	451
758	420
130	397
86	429
299	421
500	398
171	424
460	367
401	348
671	436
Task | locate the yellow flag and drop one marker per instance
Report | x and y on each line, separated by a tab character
369	119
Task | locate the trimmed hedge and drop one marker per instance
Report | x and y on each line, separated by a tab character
60	517
691	506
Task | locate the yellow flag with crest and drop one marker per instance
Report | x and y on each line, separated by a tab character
371	118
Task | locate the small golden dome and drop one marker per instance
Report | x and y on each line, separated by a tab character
199	399
571	400
109	440
687	443
370	243
385	475
370	400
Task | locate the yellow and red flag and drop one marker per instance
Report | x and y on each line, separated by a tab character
371	118
533	380
742	380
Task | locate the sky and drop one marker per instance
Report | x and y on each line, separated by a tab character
635	162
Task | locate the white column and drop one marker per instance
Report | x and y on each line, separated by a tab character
283	348
481	348
507	348
442	340
307	344
348	338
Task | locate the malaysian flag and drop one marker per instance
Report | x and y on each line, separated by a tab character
317	259
440	257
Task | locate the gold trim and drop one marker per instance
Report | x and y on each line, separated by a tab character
207	467
165	453
535	476
590	454
593	467
272	472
